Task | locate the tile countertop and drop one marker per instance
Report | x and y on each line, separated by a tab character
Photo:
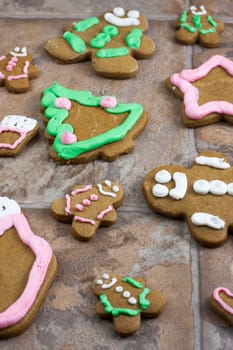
141	242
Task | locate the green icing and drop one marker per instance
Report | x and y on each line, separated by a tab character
197	21
104	37
114	52
133	282
183	17
133	39
85	24
188	27
110	30
76	43
109	309
207	31
144	303
211	21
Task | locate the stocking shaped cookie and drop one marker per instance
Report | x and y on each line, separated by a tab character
15	132
27	269
197	25
16	69
83	127
126	300
88	207
203	195
112	42
221	302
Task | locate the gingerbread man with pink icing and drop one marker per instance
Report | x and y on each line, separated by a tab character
88	207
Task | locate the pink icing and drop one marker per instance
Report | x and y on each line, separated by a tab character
81	190
94	197
86	202
79	207
2	76
67	138
43	255
26	66
104	212
17	142
217	297
63	102
2	58
108	102
21	76
84	220
184	79
68	203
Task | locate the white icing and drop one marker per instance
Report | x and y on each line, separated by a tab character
99	282
181	185
119	289
105	193
126	294
230	189
8	207
119	11
160	191
115	189
19	122
132	301
121	22
218	187
133	14
110	284
17	49
106	276
200	13
108	183
218	163
17	53
205	219
201	186
163	176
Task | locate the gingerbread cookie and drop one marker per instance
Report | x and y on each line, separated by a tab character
83	127
203	195
28	267
206	92
89	207
15	132
221	301
112	42
197	25
16	69
126	300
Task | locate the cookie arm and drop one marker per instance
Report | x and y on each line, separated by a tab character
146	49
157	303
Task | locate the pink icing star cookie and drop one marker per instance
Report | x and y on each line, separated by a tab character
206	92
221	301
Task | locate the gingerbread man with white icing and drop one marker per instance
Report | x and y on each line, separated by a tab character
126	300
88	207
202	195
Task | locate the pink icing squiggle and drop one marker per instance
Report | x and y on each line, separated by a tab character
2	58
191	94
26	66
104	212
68	203
81	190
43	254
22	134
84	220
20	76
217	297
2	76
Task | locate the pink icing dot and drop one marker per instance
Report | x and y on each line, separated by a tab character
67	138
79	207
86	202
94	197
9	68
108	102
63	102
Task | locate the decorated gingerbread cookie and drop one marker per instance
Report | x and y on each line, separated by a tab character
84	127
126	300
202	195
221	302
88	207
113	42
197	25
16	69
206	92
28	268
15	132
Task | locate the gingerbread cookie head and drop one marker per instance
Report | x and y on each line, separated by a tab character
197	25
221	301
126	300
84	127
112	41
88	207
16	69
28	268
202	195
206	92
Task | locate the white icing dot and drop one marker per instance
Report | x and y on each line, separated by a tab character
133	14
132	301
201	186
99	282
119	289
119	11
160	191
126	294
106	276
108	183
115	189
163	176
218	187
230	188
16	49
24	49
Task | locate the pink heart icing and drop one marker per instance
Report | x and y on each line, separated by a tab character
63	102
68	138
108	102
227	292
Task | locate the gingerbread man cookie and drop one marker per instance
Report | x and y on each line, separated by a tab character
221	301
126	300
16	69
203	195
206	92
197	25
27	269
113	42
15	132
83	127
88	207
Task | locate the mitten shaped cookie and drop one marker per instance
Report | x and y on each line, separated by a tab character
126	300
84	127
197	25
16	69
15	132
221	301
88	207
206	92
203	195
27	269
113	42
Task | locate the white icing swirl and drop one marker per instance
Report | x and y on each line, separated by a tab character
181	185
205	219
214	162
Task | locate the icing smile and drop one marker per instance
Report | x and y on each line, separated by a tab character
116	17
